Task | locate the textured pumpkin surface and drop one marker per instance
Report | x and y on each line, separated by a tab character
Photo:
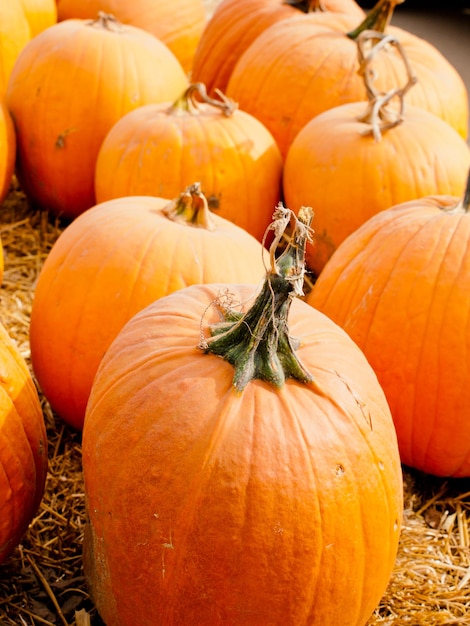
14	35
40	14
23	446
347	177
400	287
157	151
300	67
75	80
109	263
235	25
179	23
7	151
213	506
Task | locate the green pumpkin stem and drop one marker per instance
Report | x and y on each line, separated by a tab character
257	343
307	6
190	208
378	18
466	195
196	93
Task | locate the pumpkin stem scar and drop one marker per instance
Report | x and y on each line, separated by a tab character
257	342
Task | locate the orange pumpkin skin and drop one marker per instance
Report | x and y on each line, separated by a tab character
400	287
76	79
15	33
23	446
320	72
261	506
40	14
178	24
155	150
7	151
347	177
235	25
109	263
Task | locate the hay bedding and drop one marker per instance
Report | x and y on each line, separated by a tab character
42	582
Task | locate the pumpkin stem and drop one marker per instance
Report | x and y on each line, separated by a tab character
188	101
380	114
466	195
257	342
307	6
378	18
107	21
190	208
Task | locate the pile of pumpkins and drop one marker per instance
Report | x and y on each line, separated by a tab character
242	440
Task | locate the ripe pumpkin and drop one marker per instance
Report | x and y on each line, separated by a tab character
14	35
23	446
7	151
300	67
75	80
400	287
109	263
40	14
348	169
235	24
235	484
178	24
157	149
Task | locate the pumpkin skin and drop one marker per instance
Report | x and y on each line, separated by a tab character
109	263
40	14
7	151
178	24
157	149
15	33
76	79
286	85
267	507
23	446
235	24
421	156
399	286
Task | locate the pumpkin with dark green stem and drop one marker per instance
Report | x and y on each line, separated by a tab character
240	462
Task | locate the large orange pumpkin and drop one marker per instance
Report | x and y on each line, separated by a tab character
108	264
235	24
400	287
357	159
158	149
70	84
234	484
7	151
178	24
300	67
23	446
15	33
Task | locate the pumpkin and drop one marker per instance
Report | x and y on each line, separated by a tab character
7	151
23	446
355	160
75	80
159	148
234	25
178	24
15	33
300	67
242	482
111	262
400	287
40	14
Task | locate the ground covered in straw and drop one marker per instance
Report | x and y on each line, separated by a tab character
42	582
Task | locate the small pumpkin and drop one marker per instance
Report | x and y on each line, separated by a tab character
159	148
355	160
109	263
23	446
243	481
235	24
40	14
15	33
400	287
301	67
75	80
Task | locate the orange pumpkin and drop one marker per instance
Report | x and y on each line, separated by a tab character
7	151
108	264
235	24
15	33
75	80
23	446
400	287
178	24
40	14
357	159
157	149
235	484
300	67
